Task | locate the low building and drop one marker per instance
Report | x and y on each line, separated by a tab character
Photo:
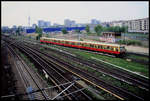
111	37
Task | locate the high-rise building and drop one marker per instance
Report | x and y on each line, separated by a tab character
73	23
69	23
14	26
33	25
46	24
40	23
94	21
56	24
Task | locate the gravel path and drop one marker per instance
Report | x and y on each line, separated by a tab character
137	49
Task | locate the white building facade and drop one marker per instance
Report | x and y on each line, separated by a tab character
138	25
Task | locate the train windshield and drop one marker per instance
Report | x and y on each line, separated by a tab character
122	48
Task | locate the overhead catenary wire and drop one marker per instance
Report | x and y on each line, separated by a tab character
13	95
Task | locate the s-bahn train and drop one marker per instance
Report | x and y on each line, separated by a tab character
113	49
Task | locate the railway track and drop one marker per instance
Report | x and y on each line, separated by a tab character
27	77
57	78
125	57
116	73
104	54
123	76
124	94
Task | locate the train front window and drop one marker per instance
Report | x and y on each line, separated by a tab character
122	48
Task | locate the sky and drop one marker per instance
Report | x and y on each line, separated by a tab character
17	12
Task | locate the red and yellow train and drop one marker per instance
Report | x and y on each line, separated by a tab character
114	49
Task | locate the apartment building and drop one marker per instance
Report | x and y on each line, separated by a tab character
138	25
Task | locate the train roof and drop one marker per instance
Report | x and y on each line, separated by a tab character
93	42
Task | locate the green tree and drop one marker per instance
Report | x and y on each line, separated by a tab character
64	31
77	31
18	30
87	29
117	29
39	31
124	29
98	29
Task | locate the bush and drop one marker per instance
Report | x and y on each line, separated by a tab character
81	39
130	42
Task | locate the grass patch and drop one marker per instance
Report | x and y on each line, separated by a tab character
135	67
130	65
138	57
106	78
130	42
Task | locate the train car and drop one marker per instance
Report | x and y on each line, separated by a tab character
113	49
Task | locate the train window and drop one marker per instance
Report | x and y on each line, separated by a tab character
74	43
103	47
91	45
96	46
85	44
82	44
116	49
61	41
88	45
122	48
111	48
78	43
99	46
64	42
108	47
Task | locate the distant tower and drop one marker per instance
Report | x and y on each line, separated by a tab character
29	21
